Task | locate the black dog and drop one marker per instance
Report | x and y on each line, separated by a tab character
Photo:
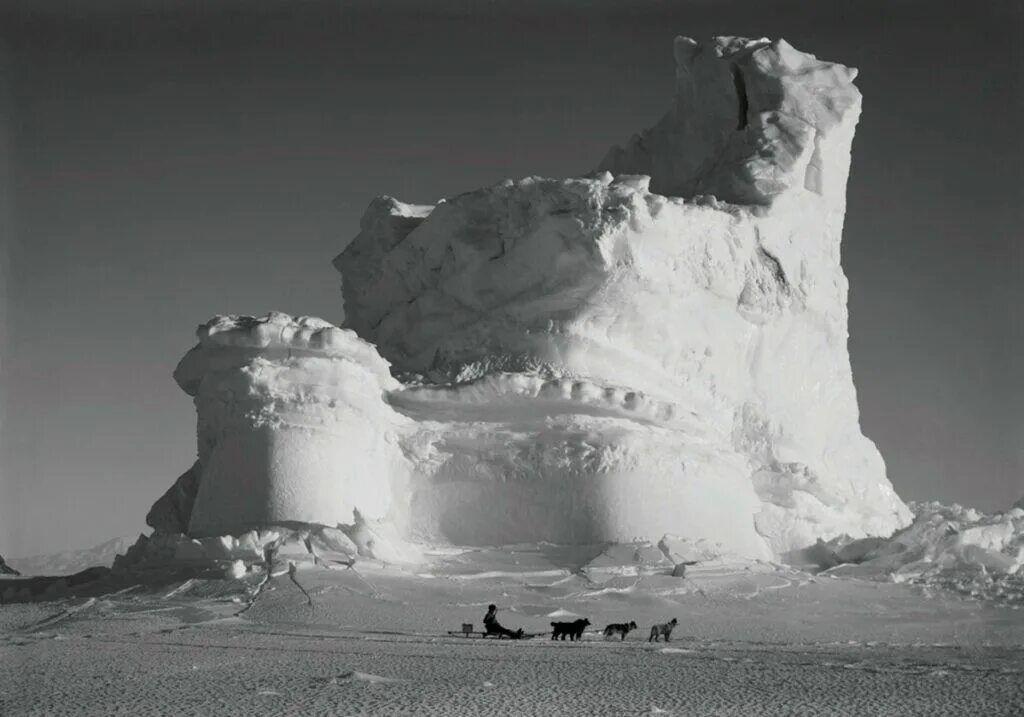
619	628
573	629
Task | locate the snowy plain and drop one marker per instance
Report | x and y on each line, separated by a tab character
753	638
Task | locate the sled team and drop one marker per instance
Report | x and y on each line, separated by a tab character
574	630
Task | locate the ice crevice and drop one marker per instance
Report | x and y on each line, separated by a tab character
741	94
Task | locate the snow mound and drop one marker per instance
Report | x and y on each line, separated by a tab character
380	540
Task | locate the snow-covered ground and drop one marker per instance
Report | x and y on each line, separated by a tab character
753	638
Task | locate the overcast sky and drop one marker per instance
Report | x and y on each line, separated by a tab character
160	167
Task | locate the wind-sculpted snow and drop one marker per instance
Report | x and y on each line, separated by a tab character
656	348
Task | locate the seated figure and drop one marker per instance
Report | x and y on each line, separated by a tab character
493	627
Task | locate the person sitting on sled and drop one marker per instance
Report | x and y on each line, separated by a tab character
493	627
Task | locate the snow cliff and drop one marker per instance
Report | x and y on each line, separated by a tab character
657	348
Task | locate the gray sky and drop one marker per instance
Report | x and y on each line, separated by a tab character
160	167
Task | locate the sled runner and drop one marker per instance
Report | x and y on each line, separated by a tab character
468	631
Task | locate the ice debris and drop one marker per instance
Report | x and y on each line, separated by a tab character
950	546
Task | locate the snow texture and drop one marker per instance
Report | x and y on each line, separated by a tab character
657	348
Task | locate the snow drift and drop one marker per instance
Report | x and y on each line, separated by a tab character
657	348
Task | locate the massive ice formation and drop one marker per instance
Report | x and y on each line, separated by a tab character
626	355
659	347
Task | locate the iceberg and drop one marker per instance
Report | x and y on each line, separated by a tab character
657	348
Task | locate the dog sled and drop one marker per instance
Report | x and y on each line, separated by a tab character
467	631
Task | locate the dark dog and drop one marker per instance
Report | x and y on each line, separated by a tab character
619	628
573	629
665	629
